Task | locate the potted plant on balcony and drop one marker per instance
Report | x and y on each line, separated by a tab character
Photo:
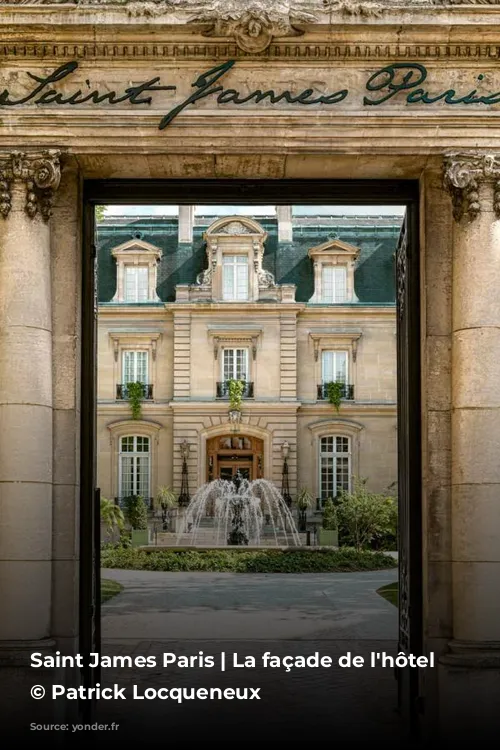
304	501
136	515
334	392
135	392
328	533
236	389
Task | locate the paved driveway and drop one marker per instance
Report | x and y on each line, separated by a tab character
228	606
295	615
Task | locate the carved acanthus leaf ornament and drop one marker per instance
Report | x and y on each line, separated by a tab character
463	172
41	174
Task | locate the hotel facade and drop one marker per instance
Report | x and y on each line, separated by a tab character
287	304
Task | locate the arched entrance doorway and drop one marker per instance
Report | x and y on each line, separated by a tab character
229	454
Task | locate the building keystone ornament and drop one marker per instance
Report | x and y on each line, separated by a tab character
41	173
463	172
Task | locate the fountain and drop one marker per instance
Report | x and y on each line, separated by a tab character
240	510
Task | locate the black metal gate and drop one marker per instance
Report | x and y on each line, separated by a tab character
90	563
409	465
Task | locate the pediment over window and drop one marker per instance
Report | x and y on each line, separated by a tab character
136	250
334	251
235	225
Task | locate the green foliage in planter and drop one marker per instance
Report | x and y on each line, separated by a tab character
248	561
236	389
304	499
335	391
166	499
135	392
136	512
365	517
330	521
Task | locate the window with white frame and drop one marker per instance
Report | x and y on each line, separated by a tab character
333	367
334	465
334	284
134	466
136	283
235	364
235	277
135	367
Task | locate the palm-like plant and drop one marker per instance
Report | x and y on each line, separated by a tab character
111	516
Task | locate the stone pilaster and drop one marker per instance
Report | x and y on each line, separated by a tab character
27	186
471	671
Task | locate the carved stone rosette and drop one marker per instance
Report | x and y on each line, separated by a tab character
41	174
463	172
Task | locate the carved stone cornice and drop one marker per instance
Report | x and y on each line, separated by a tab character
41	174
254	24
463	173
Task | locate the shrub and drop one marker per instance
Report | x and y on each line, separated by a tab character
136	512
248	561
365	518
330	521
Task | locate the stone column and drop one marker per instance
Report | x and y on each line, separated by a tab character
27	185
472	668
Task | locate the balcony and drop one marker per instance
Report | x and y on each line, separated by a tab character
223	390
122	392
347	392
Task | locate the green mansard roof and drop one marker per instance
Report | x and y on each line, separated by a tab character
376	236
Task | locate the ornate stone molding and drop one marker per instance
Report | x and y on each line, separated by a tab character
41	173
463	172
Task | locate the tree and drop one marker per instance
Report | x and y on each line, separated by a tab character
365	517
100	212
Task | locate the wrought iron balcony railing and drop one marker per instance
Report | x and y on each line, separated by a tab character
347	392
122	391
223	390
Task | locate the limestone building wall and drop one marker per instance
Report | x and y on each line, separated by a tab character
184	343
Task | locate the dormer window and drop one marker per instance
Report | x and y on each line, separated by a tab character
136	272
234	277
334	263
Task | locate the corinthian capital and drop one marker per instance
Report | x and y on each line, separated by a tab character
463	173
41	174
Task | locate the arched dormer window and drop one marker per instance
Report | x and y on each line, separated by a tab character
235	251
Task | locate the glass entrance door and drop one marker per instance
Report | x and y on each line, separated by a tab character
228	470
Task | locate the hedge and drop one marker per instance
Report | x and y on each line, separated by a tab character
229	561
